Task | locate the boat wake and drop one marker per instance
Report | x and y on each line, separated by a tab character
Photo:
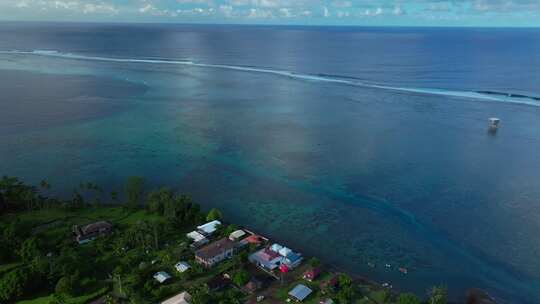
343	80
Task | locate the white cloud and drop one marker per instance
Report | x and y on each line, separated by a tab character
255	13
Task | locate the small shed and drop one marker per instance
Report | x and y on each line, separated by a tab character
300	292
237	235
162	276
182	266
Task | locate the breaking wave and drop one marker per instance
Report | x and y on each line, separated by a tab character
344	80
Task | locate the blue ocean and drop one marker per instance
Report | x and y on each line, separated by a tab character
363	146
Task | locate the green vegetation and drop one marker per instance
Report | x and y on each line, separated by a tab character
408	298
134	191
42	263
213	215
438	295
241	277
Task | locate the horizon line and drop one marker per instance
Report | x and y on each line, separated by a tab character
271	24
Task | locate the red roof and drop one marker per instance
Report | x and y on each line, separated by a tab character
254	239
312	274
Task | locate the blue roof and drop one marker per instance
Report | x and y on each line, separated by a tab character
300	292
293	257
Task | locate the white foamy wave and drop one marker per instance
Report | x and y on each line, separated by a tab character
525	100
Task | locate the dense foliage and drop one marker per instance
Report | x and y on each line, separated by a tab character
39	254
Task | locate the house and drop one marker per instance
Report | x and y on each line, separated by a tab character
300	292
182	267
266	258
312	274
162	276
329	285
209	228
182	298
215	252
198	238
252	286
237	235
91	231
274	256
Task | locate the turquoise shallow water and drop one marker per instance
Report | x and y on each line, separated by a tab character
353	174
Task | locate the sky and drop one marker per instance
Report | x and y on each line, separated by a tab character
499	13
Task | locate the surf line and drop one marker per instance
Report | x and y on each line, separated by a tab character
476	95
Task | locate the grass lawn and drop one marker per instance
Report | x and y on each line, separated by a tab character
76	300
57	218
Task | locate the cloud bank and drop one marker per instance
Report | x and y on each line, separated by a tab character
332	12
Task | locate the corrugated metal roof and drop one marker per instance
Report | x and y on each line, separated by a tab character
300	292
237	234
196	236
210	227
182	266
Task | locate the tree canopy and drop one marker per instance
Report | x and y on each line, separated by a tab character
214	214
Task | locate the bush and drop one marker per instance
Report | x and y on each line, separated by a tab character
241	278
14	284
64	286
408	298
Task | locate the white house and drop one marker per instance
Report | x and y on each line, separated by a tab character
209	228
